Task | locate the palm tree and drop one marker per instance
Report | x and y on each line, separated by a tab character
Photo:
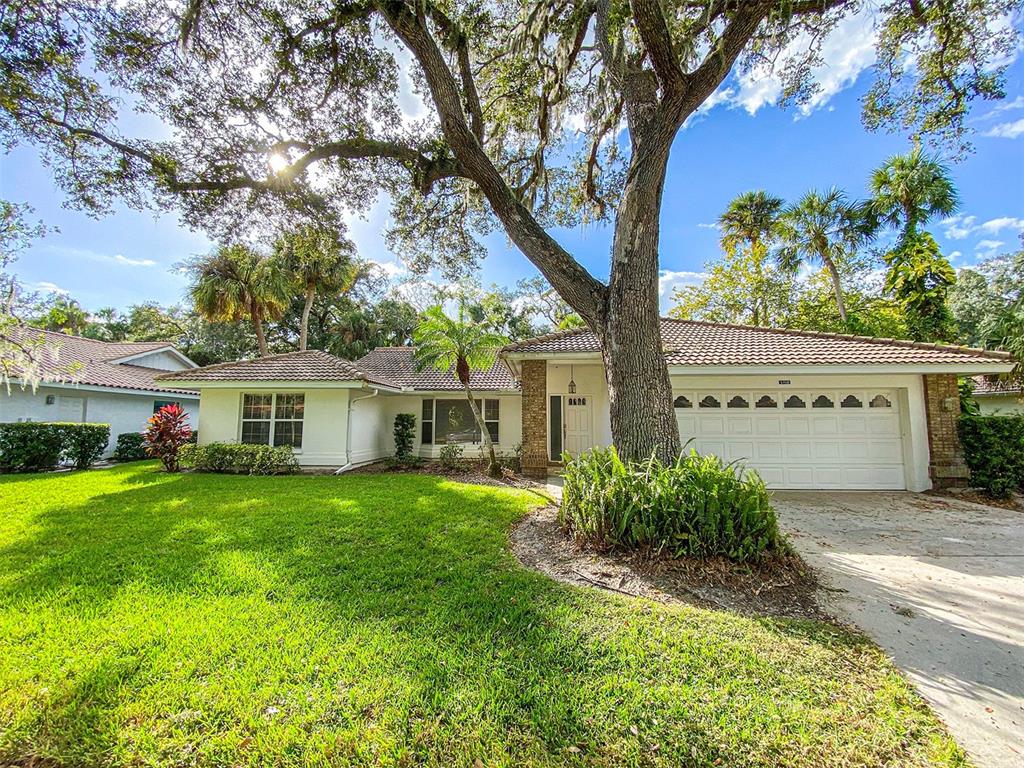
910	189
822	228
318	262
444	343
235	282
750	224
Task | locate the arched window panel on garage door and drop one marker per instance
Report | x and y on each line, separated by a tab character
794	401
710	401
851	401
766	401
682	402
738	401
880	401
822	401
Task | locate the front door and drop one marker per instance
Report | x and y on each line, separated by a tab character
577	424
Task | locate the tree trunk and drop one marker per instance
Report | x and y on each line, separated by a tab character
304	330
837	286
643	420
257	324
492	461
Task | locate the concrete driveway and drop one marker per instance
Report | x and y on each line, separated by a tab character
939	584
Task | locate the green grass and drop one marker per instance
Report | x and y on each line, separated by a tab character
177	620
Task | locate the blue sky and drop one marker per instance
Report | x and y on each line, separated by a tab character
743	142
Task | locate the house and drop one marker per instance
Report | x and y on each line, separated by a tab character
807	410
102	382
998	395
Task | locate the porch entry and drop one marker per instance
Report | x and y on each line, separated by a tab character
571	425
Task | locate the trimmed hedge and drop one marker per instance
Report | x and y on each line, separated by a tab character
694	507
994	451
130	447
35	446
238	458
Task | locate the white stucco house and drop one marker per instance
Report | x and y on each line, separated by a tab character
100	382
807	410
998	395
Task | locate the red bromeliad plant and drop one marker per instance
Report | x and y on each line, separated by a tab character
168	430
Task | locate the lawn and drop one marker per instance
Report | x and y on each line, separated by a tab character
176	620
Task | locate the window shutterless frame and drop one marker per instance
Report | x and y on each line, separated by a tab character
434	412
275	419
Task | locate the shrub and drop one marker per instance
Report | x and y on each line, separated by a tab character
450	457
34	446
696	506
167	432
994	451
130	447
84	443
405	428
239	458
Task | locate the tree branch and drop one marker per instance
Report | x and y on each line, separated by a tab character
653	29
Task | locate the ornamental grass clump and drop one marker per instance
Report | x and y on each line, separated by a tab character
696	507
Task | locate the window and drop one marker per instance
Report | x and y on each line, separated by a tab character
738	402
682	402
452	421
766	401
851	401
880	401
427	422
794	402
822	401
555	427
273	419
158	404
710	401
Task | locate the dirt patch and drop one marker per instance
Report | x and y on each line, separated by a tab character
1014	501
471	473
784	586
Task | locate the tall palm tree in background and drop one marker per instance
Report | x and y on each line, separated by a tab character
909	190
445	343
236	282
750	225
319	262
822	228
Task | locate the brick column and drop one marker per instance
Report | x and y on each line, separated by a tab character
942	406
535	418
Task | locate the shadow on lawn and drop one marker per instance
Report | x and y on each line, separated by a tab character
385	598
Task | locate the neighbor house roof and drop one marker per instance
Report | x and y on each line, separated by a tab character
994	385
398	365
77	360
309	365
697	343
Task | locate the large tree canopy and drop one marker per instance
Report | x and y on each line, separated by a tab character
293	108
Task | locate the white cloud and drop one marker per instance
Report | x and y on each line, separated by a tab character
955	255
712	225
669	280
986	249
1004	106
1006	130
960	226
47	287
848	51
391	270
117	257
995	226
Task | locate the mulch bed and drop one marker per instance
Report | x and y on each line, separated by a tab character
1014	501
782	586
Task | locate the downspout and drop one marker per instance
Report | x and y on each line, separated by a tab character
348	432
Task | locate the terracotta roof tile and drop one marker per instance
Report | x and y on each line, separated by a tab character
692	342
77	360
397	364
310	365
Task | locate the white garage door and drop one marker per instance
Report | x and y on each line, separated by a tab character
848	438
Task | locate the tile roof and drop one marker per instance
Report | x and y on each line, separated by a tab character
693	342
397	364
309	365
995	385
77	360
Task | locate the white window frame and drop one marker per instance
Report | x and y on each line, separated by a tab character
273	417
481	403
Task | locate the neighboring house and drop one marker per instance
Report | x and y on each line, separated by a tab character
807	410
102	382
998	395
